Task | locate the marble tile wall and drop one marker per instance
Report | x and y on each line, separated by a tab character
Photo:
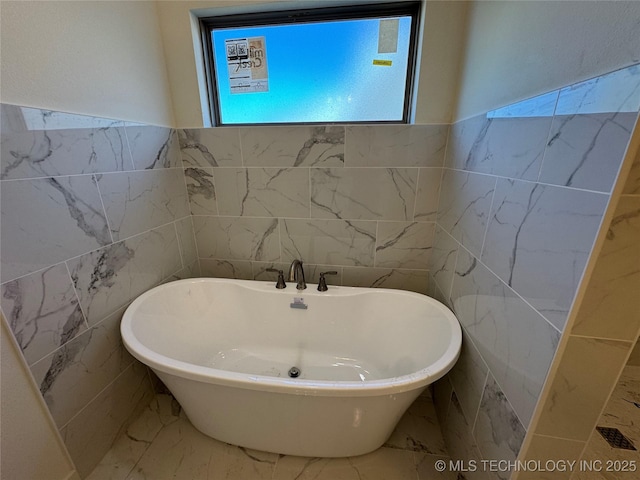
361	200
94	212
524	192
601	352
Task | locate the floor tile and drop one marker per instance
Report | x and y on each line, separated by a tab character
384	463
162	444
419	430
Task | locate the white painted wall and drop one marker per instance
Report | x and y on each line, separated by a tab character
29	441
135	60
441	50
102	58
518	49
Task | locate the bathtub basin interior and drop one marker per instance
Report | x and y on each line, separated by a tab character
345	334
225	347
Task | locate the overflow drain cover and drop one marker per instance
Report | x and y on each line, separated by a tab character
294	372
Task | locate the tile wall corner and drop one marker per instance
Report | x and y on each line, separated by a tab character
524	193
94	212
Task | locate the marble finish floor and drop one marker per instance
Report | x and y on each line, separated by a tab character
162	444
622	412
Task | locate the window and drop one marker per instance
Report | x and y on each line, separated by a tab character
325	65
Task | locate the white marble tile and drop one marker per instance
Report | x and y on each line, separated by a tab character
412	280
465	202
259	272
19	119
632	185
617	91
119	460
111	277
42	311
293	146
384	463
498	431
428	468
238	269
236	238
581	387
329	242
621	412
190	271
468	377
442	392
31	153
634	358
545	449
154	147
539	239
509	147
263	192
312	273
602	462
516	343
363	193
434	291
442	261
129	447
161	443
431	286
74	374
139	201
180	451
91	433
585	151
210	147
611	307
201	191
46	221
427	194
404	244
187	240
418	430
396	145
541	106
461	444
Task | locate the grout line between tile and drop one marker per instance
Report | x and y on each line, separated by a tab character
475	420
104	209
486	227
175	229
75	291
513	179
89	402
546	145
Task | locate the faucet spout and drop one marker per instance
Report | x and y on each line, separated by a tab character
296	274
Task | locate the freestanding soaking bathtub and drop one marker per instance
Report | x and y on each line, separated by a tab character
319	374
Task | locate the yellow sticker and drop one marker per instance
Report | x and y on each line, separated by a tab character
384	63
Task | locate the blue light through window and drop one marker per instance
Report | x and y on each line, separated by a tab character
349	70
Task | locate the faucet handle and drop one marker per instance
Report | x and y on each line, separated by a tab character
280	283
322	282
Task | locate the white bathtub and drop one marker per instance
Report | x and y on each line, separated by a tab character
224	347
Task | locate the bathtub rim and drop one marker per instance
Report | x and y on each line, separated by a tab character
387	386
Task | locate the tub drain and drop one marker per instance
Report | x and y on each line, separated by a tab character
294	372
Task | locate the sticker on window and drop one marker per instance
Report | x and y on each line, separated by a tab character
247	65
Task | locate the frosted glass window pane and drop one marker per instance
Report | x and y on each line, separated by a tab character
334	71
